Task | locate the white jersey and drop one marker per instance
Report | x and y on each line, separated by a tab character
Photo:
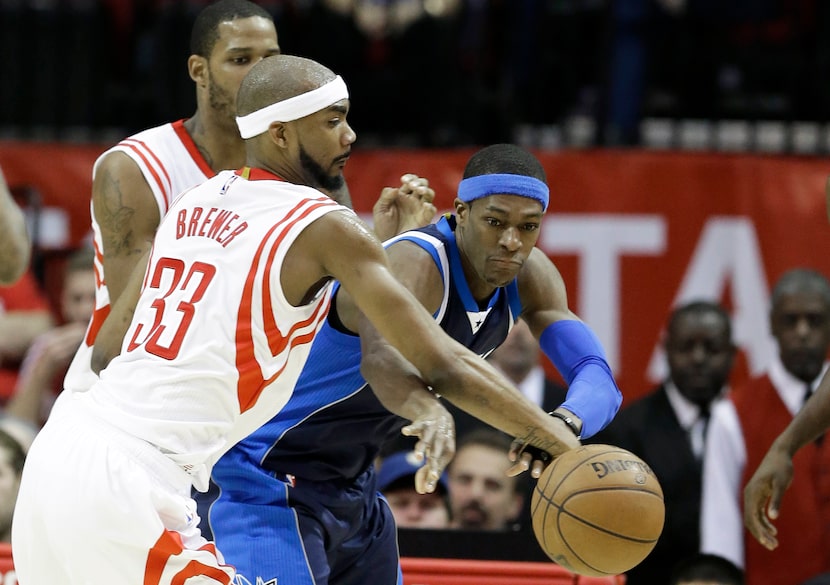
171	163
214	348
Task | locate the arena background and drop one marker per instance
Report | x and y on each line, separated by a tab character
633	232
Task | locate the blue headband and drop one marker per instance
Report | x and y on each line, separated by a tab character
504	184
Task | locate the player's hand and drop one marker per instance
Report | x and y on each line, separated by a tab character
435	429
403	208
526	457
763	493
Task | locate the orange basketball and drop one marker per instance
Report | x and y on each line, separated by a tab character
597	510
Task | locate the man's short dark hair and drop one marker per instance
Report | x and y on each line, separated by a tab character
507	159
698	307
205	31
707	567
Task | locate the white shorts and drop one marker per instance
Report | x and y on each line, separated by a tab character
97	506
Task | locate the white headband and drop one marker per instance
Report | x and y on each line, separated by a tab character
293	108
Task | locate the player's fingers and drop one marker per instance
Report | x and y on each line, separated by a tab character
427	212
426	480
522	465
538	467
387	198
516	448
426	194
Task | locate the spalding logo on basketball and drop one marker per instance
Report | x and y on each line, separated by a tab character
598	510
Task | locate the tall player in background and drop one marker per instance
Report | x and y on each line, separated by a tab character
135	182
220	334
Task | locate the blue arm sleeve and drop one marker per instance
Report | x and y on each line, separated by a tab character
593	395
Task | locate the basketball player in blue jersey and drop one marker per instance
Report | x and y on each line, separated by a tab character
297	501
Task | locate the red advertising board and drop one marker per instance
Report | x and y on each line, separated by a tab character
633	232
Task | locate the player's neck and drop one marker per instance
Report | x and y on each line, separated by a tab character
221	146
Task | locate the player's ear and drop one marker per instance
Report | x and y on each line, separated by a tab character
277	132
461	208
198	69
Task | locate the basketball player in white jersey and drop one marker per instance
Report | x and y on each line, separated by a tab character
135	182
236	289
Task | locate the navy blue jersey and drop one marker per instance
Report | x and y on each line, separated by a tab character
333	426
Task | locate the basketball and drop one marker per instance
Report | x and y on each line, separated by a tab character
597	510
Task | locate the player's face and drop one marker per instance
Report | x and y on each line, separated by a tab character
482	496
700	355
241	44
78	296
324	145
495	236
414	510
800	322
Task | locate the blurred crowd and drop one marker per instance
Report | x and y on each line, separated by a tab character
433	73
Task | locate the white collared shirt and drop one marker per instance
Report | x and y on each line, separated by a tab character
533	385
688	414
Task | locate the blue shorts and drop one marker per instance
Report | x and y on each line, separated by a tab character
309	533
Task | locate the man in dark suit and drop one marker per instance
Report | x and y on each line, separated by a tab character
667	428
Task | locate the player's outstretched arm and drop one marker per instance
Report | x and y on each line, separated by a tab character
128	216
763	492
401	390
593	396
15	245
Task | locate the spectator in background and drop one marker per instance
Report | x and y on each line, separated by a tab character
24	314
743	428
43	369
705	569
396	481
482	495
667	428
15	244
12	456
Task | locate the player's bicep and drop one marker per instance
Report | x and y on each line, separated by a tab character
414	268
543	294
127	215
356	258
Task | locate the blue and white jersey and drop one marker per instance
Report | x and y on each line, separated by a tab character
332	427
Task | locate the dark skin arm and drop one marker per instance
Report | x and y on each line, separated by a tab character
15	245
766	487
127	213
110	336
